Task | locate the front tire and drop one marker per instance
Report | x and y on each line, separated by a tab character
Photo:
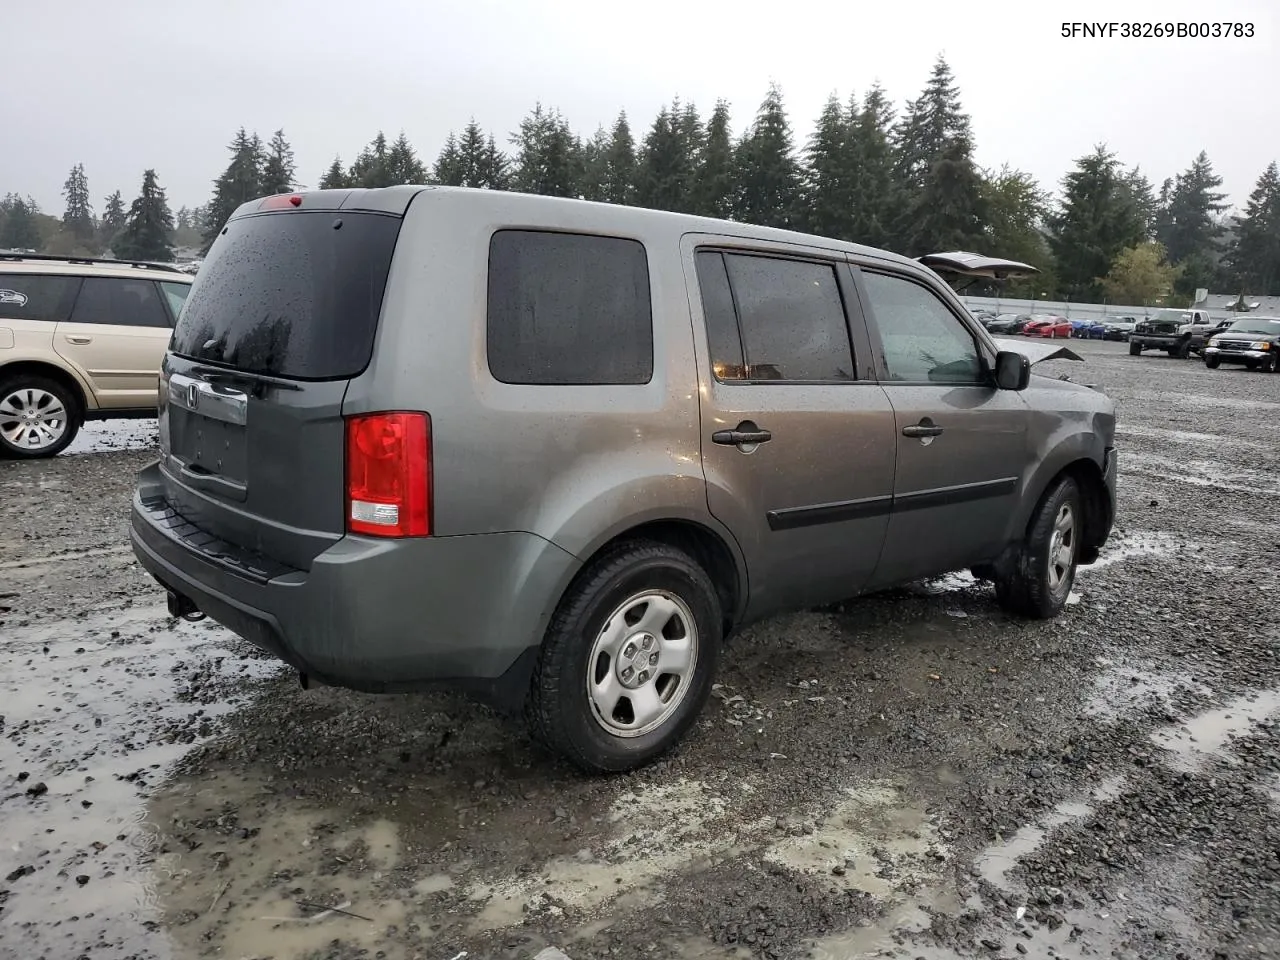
1212	363
1135	349
39	417
1039	579
628	659
1269	364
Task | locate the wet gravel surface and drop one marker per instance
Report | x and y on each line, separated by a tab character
907	775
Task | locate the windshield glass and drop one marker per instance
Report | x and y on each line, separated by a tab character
1266	327
1172	316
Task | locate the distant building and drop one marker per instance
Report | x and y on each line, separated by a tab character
1267	306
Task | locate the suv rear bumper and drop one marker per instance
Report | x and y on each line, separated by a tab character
463	612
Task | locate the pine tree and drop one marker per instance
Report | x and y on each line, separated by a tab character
335	178
620	163
1191	232
372	168
828	194
1143	199
471	160
19	230
148	227
449	168
1015	209
767	173
876	199
403	165
241	182
714	191
593	166
935	166
495	171
1094	224
548	155
660	177
182	219
1253	258
78	216
279	172
113	215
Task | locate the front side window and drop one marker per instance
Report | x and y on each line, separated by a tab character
770	318
924	342
568	309
34	296
120	302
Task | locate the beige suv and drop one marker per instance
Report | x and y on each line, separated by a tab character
79	340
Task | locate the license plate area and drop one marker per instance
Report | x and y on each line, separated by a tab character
208	430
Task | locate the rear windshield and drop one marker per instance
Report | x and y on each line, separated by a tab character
293	294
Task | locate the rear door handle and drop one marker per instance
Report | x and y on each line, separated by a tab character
80	340
925	428
744	433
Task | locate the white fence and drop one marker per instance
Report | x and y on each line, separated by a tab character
1072	311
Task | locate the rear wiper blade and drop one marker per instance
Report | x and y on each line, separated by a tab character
257	380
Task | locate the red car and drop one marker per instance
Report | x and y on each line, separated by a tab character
1048	327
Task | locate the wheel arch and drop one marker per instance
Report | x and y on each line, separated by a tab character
40	368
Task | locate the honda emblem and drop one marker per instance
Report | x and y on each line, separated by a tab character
193	396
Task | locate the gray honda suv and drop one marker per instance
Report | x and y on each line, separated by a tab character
555	453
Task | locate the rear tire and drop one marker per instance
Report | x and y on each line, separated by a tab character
39	417
1135	349
1039	579
1182	350
590	694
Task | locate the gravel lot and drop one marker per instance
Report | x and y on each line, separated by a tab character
909	775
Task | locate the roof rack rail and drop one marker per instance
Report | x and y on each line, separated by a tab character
141	264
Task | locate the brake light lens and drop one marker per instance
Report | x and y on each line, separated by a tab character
389	474
281	201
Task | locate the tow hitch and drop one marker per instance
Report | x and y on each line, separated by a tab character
180	606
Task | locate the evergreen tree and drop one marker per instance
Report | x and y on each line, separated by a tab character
875	196
935	165
828	193
1015	210
593	166
1191	232
335	178
661	174
714	190
78	216
548	155
449	168
182	219
197	219
372	168
403	165
767	173
19	230
1253	258
279	172
1093	225
241	182
495	171
1143	198
148	226
113	215
471	161
619	167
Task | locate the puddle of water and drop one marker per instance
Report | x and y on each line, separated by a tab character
101	436
1119	549
1201	473
873	841
1122	689
655	831
1204	737
1174	436
97	728
998	859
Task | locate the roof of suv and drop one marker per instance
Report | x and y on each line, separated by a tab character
88	266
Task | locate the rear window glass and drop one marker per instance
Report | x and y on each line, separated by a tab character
34	296
120	302
568	309
293	294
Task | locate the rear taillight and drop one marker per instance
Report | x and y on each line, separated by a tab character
389	474
281	201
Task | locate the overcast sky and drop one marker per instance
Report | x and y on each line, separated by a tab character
165	83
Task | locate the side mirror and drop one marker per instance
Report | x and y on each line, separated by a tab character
1013	370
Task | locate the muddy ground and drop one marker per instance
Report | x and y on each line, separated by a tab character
907	775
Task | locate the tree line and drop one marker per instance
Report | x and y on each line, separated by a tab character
904	181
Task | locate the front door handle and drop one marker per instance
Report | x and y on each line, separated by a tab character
745	433
925	428
79	340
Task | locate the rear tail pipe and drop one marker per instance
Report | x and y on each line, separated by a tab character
183	607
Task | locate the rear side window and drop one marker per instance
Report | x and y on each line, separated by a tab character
294	294
34	296
790	318
120	302
568	309
176	295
